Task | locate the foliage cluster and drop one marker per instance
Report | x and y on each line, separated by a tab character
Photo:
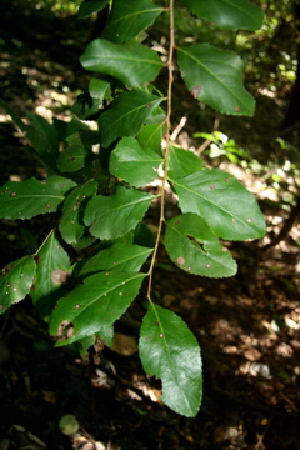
101	198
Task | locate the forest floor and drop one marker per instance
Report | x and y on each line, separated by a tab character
248	327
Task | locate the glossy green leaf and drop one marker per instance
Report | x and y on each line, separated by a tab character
71	226
72	158
29	198
228	14
150	136
132	63
130	162
183	162
88	7
224	203
97	303
15	281
127	115
202	255
215	77
127	19
110	217
52	269
170	351
120	257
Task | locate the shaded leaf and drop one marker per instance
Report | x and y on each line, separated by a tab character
127	115
88	7
72	158
183	162
113	216
15	281
203	255
127	19
43	138
130	162
215	76
71	226
225	204
29	198
52	269
134	64
169	350
120	257
228	14
96	304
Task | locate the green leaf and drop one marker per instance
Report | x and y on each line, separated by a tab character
72	158
183	162
52	269
15	281
88	7
113	216
150	136
228	14
132	63
97	303
215	76
133	164
43	138
169	350
227	207
70	225
127	19
29	198
120	257
127	115
203	255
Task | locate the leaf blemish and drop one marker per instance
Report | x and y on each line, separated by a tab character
156	323
180	260
249	220
77	306
177	222
13	194
48	205
161	335
208	266
106	273
212	186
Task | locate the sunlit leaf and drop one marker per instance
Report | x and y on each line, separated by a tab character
169	350
71	226
15	281
228	14
215	77
132	63
202	255
183	162
52	270
127	115
113	216
120	257
29	198
97	303
130	162
127	19
224	203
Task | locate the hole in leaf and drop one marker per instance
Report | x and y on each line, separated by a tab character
232	220
77	306
161	335
208	266
249	220
73	158
107	273
13	194
48	205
